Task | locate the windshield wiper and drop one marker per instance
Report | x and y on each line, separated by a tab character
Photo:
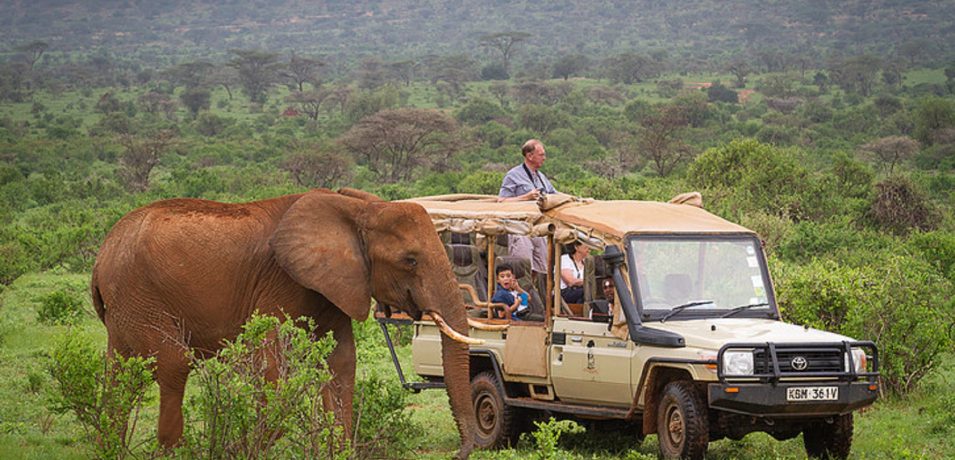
682	307
740	308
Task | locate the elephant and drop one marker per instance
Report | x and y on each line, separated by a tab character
199	269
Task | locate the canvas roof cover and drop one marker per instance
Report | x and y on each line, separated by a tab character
611	218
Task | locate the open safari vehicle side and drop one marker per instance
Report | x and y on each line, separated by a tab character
691	347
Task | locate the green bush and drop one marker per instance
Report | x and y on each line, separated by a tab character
838	239
59	307
481	182
747	175
938	248
238	412
105	394
548	434
898	301
383	425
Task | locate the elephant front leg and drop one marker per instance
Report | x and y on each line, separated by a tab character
337	394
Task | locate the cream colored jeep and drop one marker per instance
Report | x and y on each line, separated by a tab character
691	347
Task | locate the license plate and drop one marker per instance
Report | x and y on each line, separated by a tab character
812	393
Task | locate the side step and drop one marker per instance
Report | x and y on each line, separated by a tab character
575	409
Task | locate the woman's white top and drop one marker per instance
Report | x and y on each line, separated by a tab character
567	262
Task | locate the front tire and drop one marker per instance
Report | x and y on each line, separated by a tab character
682	425
829	441
496	421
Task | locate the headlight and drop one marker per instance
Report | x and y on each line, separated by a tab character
738	363
859	360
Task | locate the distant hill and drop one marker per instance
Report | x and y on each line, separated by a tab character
412	28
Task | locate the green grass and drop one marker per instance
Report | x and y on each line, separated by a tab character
918	76
920	427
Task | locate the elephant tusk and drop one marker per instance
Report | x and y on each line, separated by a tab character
451	333
487	327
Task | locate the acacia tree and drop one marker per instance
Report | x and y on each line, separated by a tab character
659	138
224	76
34	51
190	74
506	43
316	167
309	102
892	150
393	143
141	155
740	69
257	71
856	74
300	70
570	65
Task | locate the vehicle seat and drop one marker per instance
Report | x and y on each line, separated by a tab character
461	238
500	246
466	264
595	270
677	288
522	271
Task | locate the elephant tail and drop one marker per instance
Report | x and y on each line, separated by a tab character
97	299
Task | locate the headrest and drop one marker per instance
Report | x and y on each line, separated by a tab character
502	239
462	255
460	238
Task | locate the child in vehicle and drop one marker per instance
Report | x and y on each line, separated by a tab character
510	293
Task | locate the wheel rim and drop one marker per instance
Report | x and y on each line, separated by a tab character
675	425
486	413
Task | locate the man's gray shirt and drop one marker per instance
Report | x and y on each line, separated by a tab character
517	182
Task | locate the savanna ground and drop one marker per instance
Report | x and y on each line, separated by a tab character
921	426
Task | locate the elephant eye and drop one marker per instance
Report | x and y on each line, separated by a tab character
411	261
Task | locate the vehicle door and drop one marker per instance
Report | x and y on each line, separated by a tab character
588	363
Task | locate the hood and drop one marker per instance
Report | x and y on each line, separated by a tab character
716	332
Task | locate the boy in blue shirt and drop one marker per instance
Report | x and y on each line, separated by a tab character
509	293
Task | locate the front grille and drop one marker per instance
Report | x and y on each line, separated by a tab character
817	360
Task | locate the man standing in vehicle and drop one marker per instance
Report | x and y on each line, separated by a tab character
525	182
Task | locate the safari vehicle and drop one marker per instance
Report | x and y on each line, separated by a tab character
693	348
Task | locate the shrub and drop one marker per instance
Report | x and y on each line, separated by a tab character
753	176
838	239
899	302
482	182
238	412
548	434
938	248
479	111
102	392
383	427
59	307
899	207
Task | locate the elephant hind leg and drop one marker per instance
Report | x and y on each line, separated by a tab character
172	370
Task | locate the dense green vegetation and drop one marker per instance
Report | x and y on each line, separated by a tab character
828	127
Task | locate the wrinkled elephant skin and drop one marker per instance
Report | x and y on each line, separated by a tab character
186	274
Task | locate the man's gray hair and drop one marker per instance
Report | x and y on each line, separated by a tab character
529	146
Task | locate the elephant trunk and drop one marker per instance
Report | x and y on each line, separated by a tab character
457	377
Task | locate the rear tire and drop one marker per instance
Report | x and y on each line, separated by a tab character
496	421
682	425
829	440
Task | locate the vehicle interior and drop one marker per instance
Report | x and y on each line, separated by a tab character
474	264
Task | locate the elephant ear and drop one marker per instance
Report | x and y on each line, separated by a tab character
360	194
318	243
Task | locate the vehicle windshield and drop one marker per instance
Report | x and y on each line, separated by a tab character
700	276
